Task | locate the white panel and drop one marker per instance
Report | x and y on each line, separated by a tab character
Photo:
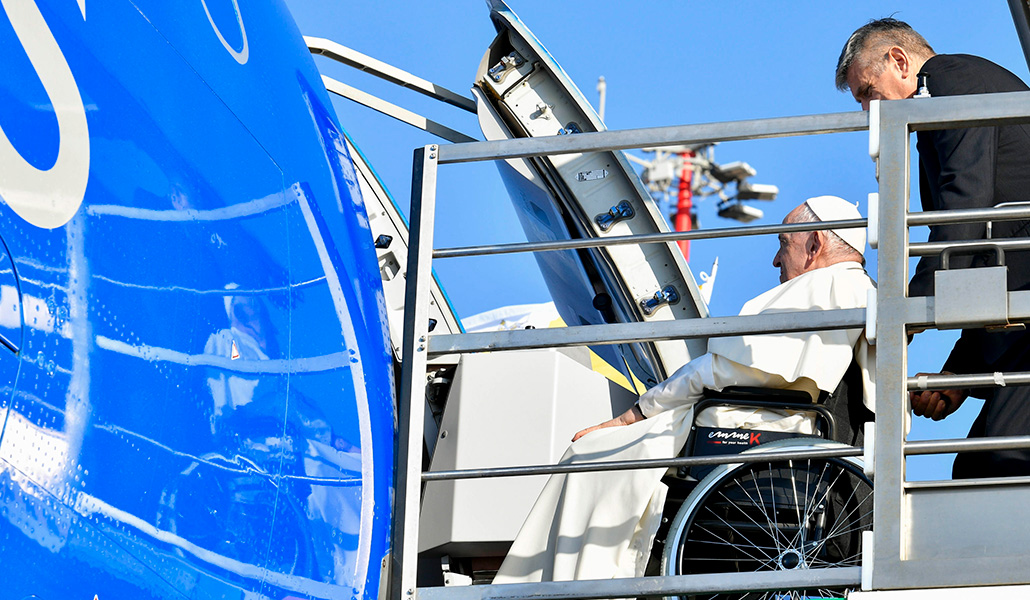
507	409
973	523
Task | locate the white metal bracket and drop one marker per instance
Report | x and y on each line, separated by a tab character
873	225
870	317
869	449
874	130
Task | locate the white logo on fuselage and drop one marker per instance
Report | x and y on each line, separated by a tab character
47	197
243	55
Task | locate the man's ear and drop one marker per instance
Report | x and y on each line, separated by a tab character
814	244
899	58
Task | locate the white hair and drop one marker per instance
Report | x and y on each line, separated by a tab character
836	247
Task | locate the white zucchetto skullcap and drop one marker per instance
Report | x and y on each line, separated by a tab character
832	208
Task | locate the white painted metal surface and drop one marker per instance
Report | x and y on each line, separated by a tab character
507	409
385	220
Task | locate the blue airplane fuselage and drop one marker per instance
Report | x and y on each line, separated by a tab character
196	388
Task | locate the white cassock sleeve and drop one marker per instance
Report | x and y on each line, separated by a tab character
711	372
809	361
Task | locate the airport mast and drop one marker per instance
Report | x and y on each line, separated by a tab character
694	172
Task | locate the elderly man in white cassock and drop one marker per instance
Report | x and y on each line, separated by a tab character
601	525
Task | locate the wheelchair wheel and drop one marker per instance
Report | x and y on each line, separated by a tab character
775	515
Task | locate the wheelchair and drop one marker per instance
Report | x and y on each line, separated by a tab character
769	515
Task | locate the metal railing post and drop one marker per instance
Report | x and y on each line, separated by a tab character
413	375
892	341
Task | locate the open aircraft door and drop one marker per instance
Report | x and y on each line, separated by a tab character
521	91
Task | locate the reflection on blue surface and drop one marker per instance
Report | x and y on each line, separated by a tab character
195	380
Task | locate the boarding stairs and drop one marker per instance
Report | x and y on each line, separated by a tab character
940	539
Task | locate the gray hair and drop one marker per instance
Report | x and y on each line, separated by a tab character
877	37
836	247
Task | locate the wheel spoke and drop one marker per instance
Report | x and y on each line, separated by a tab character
751	544
797	540
810	507
718	560
797	507
713	534
794	488
749	517
726	543
830	534
850	560
774	527
855	528
846	519
772	499
814	506
773	533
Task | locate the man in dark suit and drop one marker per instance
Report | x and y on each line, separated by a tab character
977	167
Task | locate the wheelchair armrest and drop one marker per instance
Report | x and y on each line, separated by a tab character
768	398
758	398
757	393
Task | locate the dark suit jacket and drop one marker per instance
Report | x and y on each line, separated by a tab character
976	167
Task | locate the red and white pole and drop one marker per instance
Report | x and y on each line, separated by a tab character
685	202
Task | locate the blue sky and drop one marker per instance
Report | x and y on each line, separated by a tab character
666	63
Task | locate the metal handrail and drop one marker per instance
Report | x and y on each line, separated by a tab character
352	58
932	248
922	448
957	382
625	333
650	587
942	217
955	112
363	62
650	238
626	139
630	465
918	448
968	215
392	110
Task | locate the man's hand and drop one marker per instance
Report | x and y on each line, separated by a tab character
936	404
627	418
